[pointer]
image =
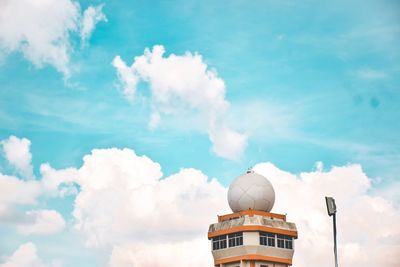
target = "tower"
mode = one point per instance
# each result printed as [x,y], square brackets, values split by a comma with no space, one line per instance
[251,236]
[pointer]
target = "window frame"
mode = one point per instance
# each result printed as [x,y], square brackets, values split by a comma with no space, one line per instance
[219,242]
[267,239]
[235,239]
[288,242]
[280,241]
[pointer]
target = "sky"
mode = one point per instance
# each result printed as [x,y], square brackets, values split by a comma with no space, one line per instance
[122,124]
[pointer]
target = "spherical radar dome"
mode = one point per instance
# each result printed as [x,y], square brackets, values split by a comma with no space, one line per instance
[251,191]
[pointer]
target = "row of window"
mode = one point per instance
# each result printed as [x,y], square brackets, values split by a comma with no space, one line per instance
[234,240]
[281,241]
[266,239]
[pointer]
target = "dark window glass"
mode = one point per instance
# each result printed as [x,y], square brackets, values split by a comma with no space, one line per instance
[219,242]
[271,240]
[235,239]
[222,243]
[263,239]
[267,239]
[281,241]
[288,242]
[240,241]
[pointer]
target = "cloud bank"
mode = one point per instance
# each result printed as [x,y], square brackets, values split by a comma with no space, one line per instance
[164,221]
[43,35]
[183,84]
[142,211]
[368,231]
[126,207]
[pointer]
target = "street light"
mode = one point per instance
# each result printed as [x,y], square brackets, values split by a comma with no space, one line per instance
[331,207]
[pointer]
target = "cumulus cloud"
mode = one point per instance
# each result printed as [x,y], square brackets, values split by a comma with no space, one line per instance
[16,191]
[41,222]
[17,152]
[58,182]
[142,211]
[126,207]
[159,221]
[43,34]
[26,256]
[183,84]
[91,17]
[194,253]
[367,225]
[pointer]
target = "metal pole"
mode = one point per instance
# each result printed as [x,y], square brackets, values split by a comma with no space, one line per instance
[331,207]
[334,239]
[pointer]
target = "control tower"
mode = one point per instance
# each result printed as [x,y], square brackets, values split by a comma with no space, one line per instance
[251,236]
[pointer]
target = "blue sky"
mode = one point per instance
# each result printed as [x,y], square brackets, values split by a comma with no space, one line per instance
[306,82]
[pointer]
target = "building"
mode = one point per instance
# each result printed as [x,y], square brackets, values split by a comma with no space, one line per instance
[252,236]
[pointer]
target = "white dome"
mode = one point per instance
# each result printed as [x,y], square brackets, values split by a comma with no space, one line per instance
[251,191]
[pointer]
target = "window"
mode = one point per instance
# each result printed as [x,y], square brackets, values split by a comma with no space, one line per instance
[281,241]
[263,265]
[285,241]
[267,239]
[235,239]
[219,242]
[288,242]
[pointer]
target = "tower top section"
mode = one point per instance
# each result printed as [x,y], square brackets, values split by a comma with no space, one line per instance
[251,191]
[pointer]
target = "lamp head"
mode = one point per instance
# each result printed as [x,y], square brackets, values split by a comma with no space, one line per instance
[330,205]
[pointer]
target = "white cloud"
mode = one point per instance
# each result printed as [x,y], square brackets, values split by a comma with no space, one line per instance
[226,142]
[127,77]
[158,221]
[390,192]
[41,222]
[126,204]
[16,191]
[53,182]
[367,225]
[17,152]
[58,182]
[26,256]
[127,208]
[194,253]
[91,17]
[43,34]
[180,85]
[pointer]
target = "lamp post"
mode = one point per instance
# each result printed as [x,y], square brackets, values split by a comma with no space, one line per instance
[331,207]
